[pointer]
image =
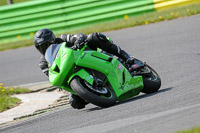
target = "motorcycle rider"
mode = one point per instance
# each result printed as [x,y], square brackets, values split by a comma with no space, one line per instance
[45,37]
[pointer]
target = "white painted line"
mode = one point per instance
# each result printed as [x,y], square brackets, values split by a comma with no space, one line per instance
[33,84]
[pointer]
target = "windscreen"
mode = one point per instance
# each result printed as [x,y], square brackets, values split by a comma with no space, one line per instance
[51,53]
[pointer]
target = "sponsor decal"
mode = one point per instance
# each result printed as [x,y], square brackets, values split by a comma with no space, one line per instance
[89,77]
[135,66]
[57,55]
[64,56]
[120,66]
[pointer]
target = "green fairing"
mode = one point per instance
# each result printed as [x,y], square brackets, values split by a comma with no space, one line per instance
[62,71]
[84,75]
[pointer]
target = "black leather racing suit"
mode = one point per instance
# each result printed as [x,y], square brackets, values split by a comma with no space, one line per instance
[95,40]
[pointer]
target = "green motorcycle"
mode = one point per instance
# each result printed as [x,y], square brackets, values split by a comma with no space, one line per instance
[98,78]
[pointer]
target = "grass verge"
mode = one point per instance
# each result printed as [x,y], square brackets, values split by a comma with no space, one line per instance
[126,22]
[6,101]
[145,19]
[193,130]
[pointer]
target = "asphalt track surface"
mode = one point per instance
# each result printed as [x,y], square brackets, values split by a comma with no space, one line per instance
[172,48]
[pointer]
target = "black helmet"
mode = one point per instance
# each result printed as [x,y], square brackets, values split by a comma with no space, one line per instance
[43,39]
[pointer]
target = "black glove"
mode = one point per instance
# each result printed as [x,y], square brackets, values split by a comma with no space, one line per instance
[80,40]
[130,60]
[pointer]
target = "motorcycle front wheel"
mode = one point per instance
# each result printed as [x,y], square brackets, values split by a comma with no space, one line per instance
[151,81]
[100,96]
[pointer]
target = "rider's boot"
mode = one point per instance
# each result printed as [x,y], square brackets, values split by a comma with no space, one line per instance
[126,57]
[76,102]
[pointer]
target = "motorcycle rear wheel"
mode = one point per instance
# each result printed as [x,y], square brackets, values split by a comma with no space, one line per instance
[105,99]
[151,81]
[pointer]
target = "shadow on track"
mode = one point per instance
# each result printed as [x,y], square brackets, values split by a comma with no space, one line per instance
[143,96]
[132,99]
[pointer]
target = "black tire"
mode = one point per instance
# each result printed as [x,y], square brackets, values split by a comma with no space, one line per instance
[152,81]
[82,90]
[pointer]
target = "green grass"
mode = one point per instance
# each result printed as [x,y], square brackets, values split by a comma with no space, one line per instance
[127,22]
[14,45]
[6,101]
[193,130]
[144,19]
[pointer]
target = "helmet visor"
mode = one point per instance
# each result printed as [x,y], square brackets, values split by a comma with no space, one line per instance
[43,47]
